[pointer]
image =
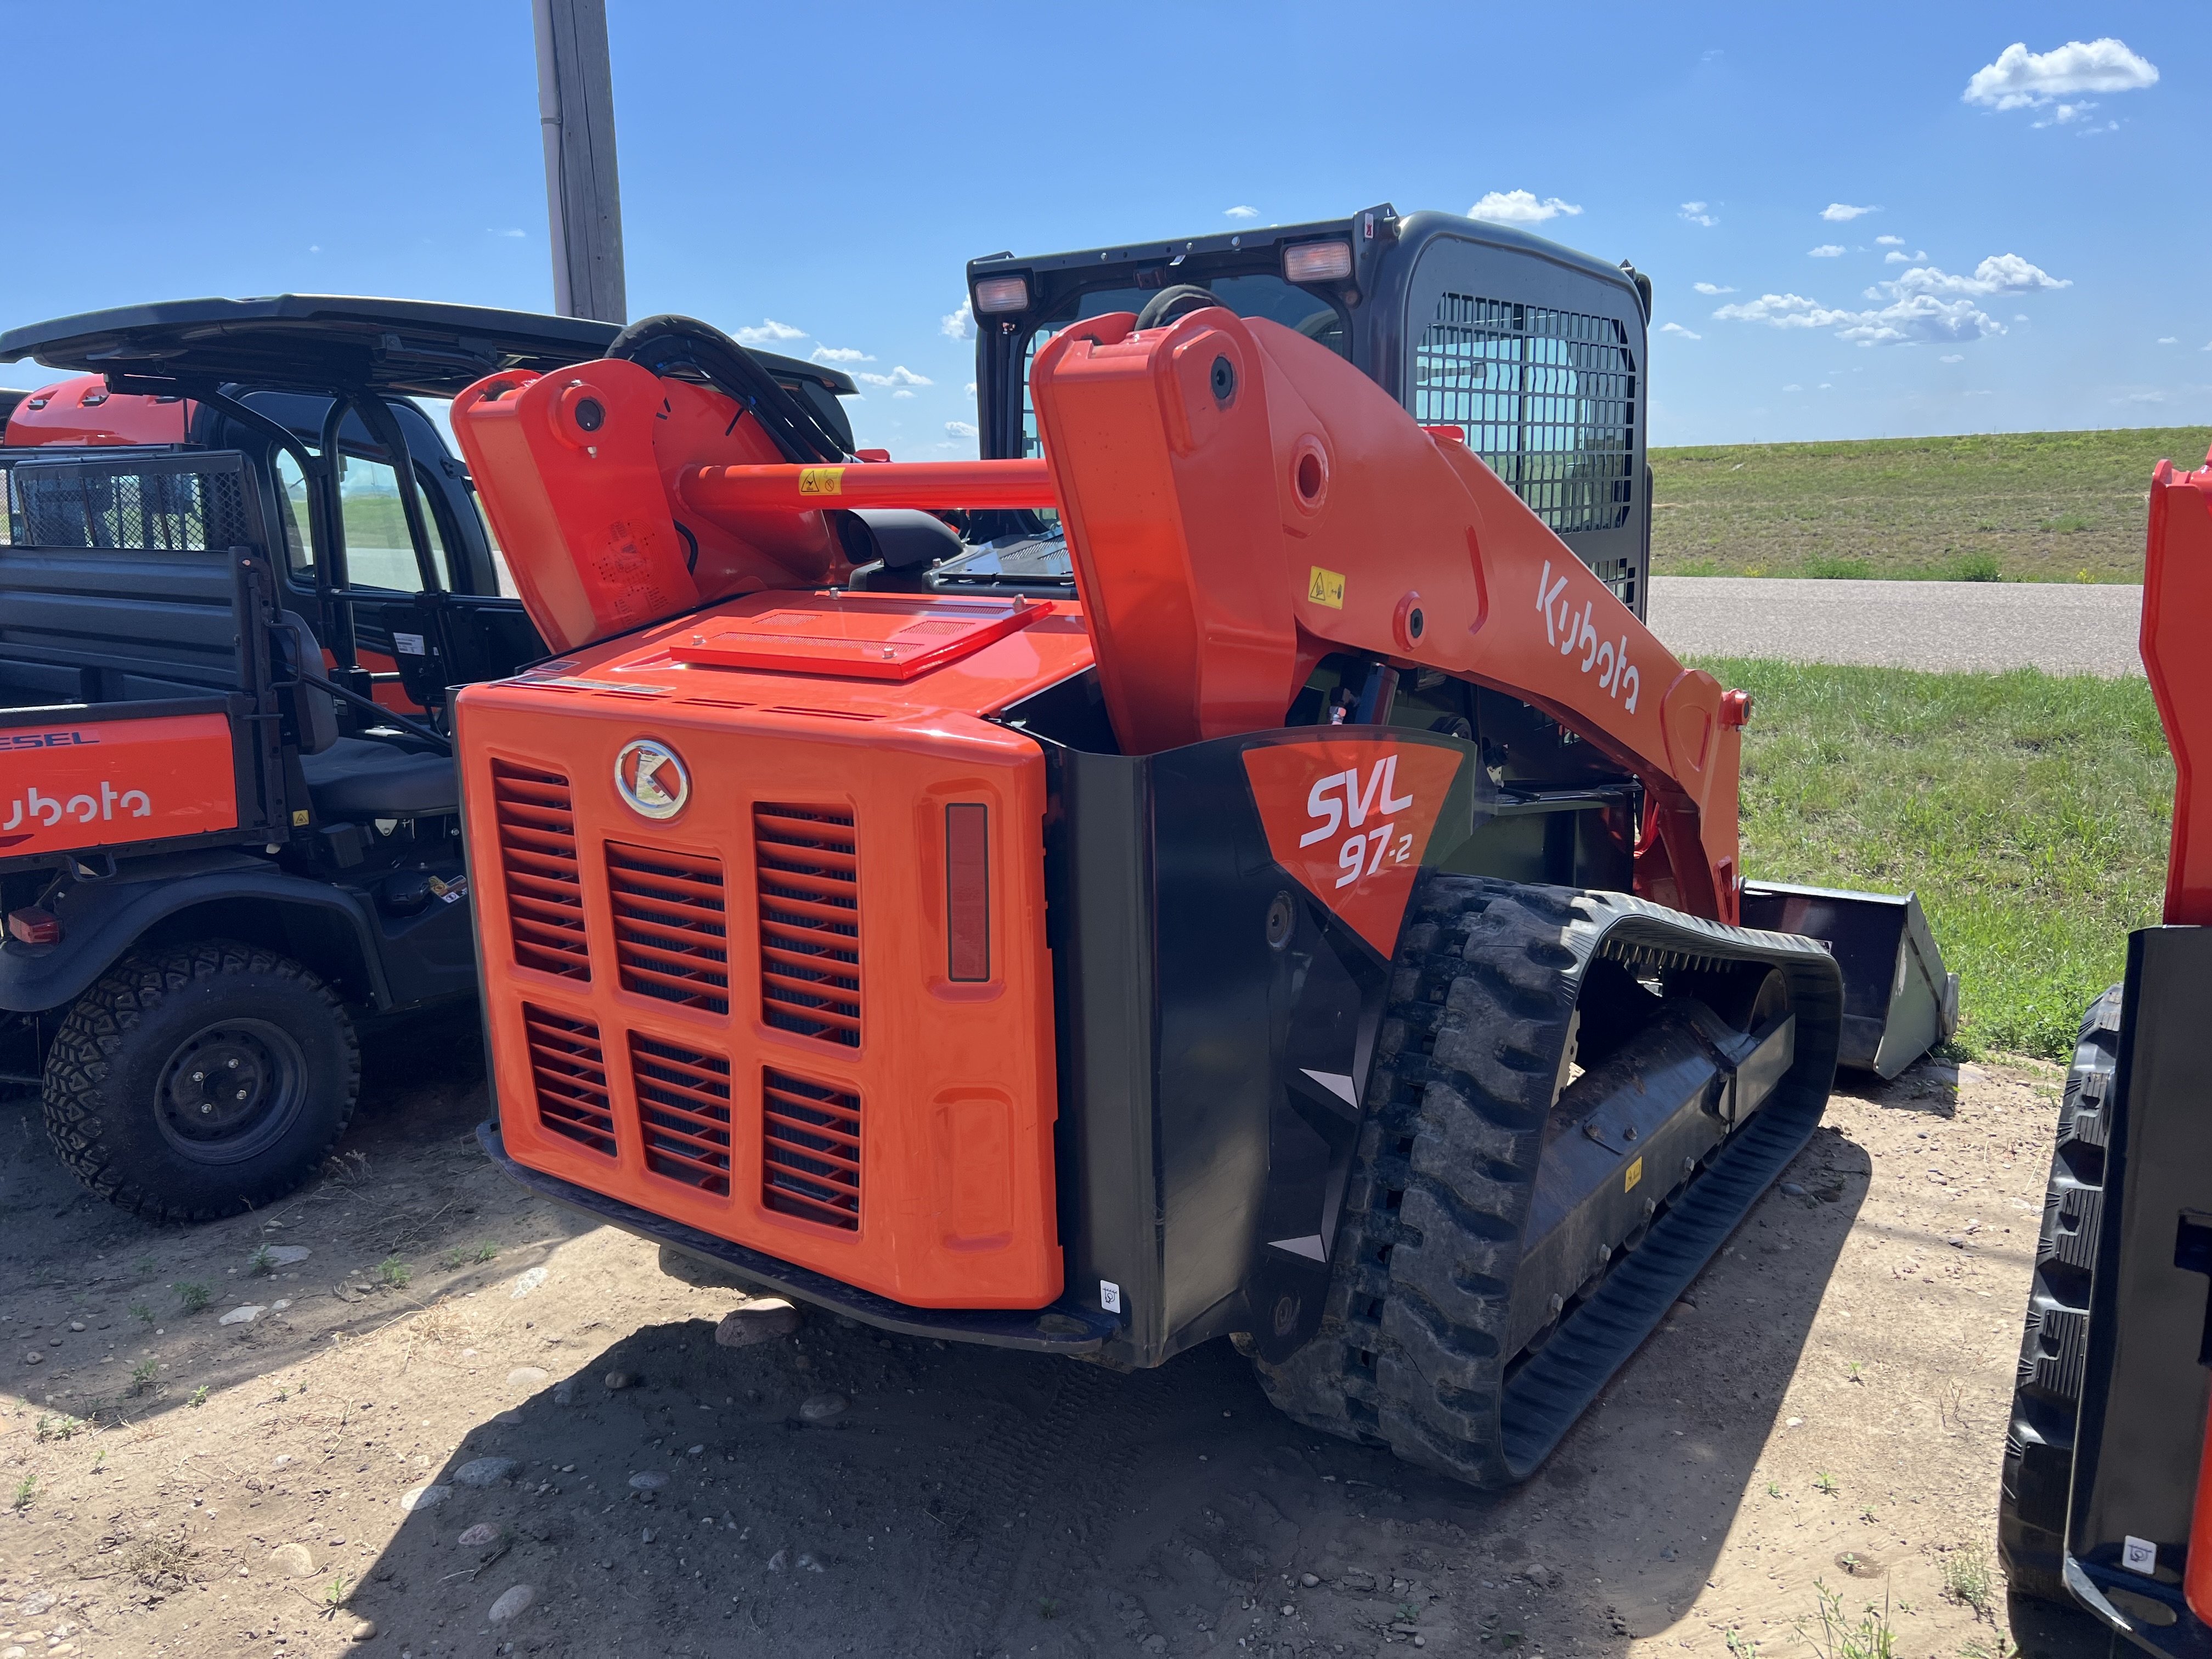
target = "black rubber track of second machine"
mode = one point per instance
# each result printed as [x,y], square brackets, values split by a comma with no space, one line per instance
[1410,1352]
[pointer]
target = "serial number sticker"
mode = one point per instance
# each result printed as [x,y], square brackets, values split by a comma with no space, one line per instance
[1635,1173]
[409,645]
[1326,588]
[821,480]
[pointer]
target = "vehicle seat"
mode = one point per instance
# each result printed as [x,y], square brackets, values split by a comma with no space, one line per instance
[360,778]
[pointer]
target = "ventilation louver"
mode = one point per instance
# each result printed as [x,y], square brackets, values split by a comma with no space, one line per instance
[670,926]
[569,1074]
[538,859]
[811,1150]
[682,1112]
[810,921]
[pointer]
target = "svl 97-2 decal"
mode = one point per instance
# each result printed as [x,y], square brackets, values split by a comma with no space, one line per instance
[1351,818]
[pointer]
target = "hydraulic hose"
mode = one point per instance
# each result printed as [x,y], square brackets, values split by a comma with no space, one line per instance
[684,346]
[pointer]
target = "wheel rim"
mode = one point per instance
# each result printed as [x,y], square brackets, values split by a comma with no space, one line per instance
[230,1090]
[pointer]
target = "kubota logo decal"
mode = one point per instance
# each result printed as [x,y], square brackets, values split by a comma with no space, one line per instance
[121,780]
[1616,675]
[653,781]
[50,809]
[1351,818]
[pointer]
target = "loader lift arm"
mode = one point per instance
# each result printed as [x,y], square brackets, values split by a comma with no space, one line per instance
[1240,502]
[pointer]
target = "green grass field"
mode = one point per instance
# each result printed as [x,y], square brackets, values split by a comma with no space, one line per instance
[2013,507]
[2030,813]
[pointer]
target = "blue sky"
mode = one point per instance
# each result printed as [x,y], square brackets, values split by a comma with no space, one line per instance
[830,170]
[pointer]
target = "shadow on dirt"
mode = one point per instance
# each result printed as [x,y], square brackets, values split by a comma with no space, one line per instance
[127,1317]
[959,1500]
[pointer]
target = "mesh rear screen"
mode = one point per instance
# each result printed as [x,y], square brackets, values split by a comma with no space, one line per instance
[1547,398]
[164,510]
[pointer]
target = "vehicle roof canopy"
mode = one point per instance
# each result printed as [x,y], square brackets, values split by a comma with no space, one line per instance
[320,342]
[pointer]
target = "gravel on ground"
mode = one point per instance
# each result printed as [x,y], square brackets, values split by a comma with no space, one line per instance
[468,1423]
[1944,628]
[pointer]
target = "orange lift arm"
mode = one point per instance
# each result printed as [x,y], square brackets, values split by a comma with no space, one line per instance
[1239,501]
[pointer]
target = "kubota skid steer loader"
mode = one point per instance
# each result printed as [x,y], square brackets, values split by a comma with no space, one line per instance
[1262,883]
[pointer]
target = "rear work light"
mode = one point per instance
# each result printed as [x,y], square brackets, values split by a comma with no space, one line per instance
[34,926]
[1317,262]
[995,293]
[968,892]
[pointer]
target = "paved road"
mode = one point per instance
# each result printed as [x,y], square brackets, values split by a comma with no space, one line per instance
[2061,628]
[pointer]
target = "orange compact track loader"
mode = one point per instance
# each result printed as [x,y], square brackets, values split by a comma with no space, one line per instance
[1226,865]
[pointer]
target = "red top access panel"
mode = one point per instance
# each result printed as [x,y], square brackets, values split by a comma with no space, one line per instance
[876,637]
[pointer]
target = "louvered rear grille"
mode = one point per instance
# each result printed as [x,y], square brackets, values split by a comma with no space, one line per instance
[669,933]
[682,1112]
[537,861]
[569,1073]
[810,921]
[811,1150]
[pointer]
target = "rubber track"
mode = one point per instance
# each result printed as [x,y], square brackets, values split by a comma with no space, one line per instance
[1410,1352]
[2039,1456]
[98,1024]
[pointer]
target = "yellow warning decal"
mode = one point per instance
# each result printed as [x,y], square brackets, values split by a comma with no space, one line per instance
[1326,588]
[821,480]
[1635,1175]
[300,818]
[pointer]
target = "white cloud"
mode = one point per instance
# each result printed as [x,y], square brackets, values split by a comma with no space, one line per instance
[962,430]
[1837,212]
[1676,328]
[1712,288]
[2020,79]
[1951,357]
[2144,398]
[2169,339]
[1793,387]
[900,376]
[769,329]
[959,324]
[2061,113]
[1696,214]
[1889,241]
[971,388]
[902,393]
[1241,213]
[1897,256]
[2003,273]
[1519,207]
[491,231]
[1917,318]
[822,353]
[314,247]
[1825,251]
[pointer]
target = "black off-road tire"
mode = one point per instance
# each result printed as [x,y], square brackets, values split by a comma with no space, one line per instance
[1410,1353]
[2038,1459]
[126,1113]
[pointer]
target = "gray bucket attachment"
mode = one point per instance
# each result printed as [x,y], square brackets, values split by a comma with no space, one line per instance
[1899,1002]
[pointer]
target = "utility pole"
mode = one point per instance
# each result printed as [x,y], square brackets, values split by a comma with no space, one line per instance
[583,197]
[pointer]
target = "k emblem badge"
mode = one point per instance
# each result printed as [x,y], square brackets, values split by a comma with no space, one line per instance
[652,779]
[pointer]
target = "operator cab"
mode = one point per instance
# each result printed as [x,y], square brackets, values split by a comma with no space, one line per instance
[1533,351]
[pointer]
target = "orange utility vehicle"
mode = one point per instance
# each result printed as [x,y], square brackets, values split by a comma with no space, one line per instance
[239,571]
[1255,880]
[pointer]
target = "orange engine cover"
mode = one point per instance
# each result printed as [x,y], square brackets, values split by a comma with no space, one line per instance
[764,954]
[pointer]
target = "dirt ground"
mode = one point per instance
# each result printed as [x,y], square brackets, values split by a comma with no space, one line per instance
[1830,1411]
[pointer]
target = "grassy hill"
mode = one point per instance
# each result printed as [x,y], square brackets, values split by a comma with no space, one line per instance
[2012,506]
